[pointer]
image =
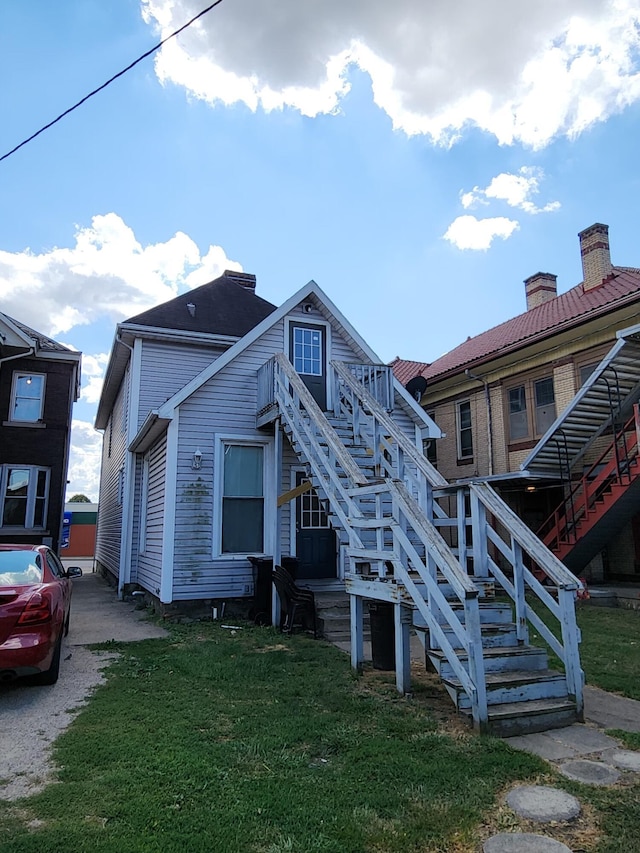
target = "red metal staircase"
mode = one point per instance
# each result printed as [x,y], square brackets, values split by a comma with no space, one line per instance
[597,495]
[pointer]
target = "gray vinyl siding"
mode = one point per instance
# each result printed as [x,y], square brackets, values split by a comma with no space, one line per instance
[226,405]
[149,563]
[109,526]
[166,368]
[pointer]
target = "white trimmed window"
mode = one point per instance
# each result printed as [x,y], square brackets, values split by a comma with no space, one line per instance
[27,397]
[465,430]
[242,501]
[24,492]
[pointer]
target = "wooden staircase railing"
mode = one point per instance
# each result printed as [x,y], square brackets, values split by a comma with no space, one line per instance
[391,532]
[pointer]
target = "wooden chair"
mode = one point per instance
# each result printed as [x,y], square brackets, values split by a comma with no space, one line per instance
[295,603]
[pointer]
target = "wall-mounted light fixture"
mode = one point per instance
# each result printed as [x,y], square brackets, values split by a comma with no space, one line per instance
[196,464]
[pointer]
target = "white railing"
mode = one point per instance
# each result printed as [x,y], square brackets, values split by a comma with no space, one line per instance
[511,541]
[419,568]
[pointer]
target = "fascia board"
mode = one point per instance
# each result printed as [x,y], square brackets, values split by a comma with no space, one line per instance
[152,427]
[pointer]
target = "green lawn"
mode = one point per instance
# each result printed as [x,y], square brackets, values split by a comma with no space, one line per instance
[256,742]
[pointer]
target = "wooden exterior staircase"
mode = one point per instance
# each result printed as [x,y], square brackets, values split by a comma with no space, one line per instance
[604,497]
[450,559]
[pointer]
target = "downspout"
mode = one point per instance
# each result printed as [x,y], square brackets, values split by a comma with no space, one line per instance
[489,419]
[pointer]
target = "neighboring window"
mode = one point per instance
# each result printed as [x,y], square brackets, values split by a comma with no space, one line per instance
[307,351]
[243,499]
[531,408]
[24,496]
[27,397]
[431,451]
[120,486]
[465,434]
[585,372]
[545,404]
[518,421]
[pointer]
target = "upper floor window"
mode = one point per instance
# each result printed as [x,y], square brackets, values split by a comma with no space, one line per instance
[465,430]
[585,372]
[27,397]
[24,493]
[531,408]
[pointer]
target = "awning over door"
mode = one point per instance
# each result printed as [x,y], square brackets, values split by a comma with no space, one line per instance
[609,392]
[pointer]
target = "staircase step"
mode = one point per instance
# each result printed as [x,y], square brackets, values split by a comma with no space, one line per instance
[513,687]
[537,715]
[489,613]
[504,659]
[494,635]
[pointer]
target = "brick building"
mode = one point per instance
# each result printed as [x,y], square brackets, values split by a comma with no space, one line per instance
[503,399]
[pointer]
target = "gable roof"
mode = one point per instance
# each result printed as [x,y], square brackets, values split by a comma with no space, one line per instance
[572,308]
[224,306]
[31,337]
[224,310]
[158,419]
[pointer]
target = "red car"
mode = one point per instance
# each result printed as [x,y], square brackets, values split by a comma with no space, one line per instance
[35,599]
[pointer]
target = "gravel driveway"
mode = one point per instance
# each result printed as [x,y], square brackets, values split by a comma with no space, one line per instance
[31,718]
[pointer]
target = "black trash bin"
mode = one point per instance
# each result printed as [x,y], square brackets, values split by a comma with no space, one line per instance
[260,610]
[383,641]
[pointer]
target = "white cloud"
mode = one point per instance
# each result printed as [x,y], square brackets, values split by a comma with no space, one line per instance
[85,458]
[93,368]
[108,273]
[521,71]
[467,232]
[515,190]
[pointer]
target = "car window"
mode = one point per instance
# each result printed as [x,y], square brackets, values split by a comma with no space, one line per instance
[55,565]
[20,567]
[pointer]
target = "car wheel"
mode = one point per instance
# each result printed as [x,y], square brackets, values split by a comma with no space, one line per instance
[51,675]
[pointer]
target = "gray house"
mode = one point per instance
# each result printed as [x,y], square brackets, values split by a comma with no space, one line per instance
[234,430]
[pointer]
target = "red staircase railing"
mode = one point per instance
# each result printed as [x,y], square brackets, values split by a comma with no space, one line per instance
[596,491]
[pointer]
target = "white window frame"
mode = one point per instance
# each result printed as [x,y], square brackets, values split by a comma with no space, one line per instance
[469,456]
[18,374]
[33,470]
[144,500]
[312,319]
[268,489]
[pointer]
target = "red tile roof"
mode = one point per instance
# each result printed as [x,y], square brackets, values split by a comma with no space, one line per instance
[572,308]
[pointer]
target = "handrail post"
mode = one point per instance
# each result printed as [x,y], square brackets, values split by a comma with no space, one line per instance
[522,628]
[461,518]
[479,537]
[479,709]
[571,642]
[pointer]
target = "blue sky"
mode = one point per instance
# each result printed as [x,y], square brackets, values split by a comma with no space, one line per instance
[417,160]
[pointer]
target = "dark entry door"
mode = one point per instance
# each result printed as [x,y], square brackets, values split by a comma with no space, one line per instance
[308,352]
[315,540]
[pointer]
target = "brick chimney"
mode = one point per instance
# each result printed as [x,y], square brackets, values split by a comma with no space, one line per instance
[244,279]
[540,288]
[596,258]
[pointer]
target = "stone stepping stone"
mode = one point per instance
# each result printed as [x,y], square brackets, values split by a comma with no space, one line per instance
[523,842]
[542,803]
[589,772]
[625,759]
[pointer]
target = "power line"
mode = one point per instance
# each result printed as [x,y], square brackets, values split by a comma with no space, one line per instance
[110,80]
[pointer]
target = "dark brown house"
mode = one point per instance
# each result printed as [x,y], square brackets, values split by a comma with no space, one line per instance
[39,381]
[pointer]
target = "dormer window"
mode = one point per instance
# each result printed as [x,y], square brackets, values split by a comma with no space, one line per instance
[27,397]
